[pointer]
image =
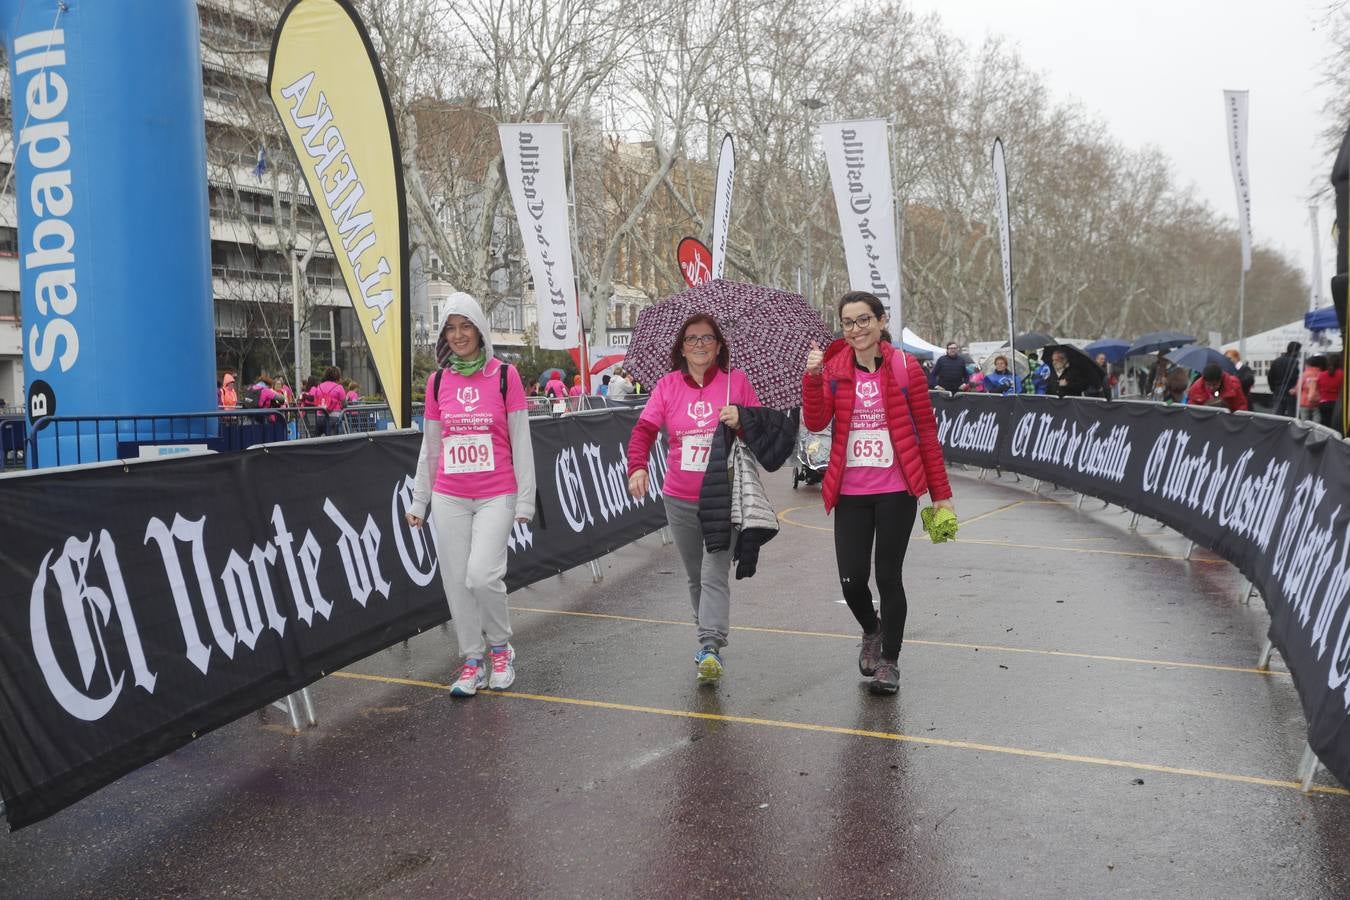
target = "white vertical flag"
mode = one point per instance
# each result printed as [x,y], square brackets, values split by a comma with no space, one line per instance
[1315,291]
[726,177]
[1004,229]
[533,154]
[860,171]
[1235,109]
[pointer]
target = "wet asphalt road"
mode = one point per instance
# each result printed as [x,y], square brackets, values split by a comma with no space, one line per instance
[1078,717]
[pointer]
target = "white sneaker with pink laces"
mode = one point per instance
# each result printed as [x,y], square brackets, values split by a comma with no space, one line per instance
[472,676]
[503,662]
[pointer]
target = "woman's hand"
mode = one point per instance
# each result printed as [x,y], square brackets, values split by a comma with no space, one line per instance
[815,359]
[731,416]
[414,521]
[945,504]
[637,484]
[522,520]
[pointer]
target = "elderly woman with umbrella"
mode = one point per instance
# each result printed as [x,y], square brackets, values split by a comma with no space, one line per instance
[885,455]
[691,403]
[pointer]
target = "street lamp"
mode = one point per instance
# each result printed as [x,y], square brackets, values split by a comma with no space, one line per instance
[809,105]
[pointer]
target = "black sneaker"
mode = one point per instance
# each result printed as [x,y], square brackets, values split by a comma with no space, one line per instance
[886,680]
[870,654]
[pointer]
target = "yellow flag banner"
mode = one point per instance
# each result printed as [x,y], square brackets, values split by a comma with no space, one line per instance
[325,81]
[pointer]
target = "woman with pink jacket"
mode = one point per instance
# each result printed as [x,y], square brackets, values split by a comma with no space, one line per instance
[884,456]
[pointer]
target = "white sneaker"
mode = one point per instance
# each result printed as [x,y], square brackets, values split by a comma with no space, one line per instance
[472,676]
[503,664]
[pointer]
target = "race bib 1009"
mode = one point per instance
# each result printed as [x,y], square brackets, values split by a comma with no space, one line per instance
[465,454]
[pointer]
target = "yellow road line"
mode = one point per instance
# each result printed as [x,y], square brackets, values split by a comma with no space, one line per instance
[1213,667]
[783,517]
[857,732]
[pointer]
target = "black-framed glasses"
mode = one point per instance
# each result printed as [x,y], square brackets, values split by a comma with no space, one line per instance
[693,340]
[860,322]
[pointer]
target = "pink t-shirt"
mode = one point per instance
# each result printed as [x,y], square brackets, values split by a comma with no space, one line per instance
[475,458]
[575,391]
[688,415]
[555,388]
[871,466]
[330,395]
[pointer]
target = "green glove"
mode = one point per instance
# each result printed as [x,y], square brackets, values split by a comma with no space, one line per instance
[939,523]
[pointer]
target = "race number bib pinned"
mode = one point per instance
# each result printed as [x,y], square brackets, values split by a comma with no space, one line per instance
[870,447]
[694,452]
[466,454]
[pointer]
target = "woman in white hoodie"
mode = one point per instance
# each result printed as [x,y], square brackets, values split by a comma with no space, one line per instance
[476,438]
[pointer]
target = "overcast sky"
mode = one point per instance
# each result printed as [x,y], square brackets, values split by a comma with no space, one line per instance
[1155,71]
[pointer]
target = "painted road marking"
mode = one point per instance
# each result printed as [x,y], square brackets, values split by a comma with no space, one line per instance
[857,732]
[783,517]
[1159,663]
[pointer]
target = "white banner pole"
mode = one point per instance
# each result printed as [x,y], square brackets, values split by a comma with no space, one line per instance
[860,174]
[533,154]
[1235,109]
[726,178]
[1000,167]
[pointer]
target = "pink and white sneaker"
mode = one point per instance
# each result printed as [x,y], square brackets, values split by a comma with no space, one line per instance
[503,662]
[472,676]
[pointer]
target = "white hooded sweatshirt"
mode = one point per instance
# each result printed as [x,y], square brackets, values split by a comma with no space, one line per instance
[518,422]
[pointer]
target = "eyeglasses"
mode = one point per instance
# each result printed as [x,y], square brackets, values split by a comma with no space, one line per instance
[692,340]
[860,322]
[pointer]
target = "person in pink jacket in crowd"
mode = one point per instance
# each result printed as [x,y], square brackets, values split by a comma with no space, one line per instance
[555,388]
[331,396]
[227,397]
[476,441]
[700,394]
[353,392]
[884,456]
[576,387]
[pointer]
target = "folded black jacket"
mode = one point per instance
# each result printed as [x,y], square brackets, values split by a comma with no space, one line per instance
[771,436]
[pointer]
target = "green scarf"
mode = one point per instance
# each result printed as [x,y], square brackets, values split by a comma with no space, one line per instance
[469,366]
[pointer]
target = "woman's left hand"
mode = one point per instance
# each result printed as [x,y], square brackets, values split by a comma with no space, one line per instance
[731,416]
[945,504]
[522,520]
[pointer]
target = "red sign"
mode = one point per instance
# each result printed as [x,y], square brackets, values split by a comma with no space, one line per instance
[695,261]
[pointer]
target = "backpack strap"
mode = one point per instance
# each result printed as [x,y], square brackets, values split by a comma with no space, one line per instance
[900,368]
[503,384]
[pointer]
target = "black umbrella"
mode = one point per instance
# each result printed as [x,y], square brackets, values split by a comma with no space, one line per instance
[1157,341]
[1196,358]
[1091,374]
[1032,340]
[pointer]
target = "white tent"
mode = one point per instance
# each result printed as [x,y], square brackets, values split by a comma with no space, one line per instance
[913,340]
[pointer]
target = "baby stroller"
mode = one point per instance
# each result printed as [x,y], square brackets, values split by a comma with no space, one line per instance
[813,455]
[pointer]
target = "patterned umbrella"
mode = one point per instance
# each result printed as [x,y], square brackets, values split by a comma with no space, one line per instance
[769,332]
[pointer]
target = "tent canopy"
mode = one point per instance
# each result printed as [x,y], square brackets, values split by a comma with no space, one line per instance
[1323,319]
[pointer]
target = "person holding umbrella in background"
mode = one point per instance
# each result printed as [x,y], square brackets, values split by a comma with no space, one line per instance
[698,395]
[883,457]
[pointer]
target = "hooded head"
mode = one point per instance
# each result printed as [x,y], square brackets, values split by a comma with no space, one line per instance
[227,380]
[462,304]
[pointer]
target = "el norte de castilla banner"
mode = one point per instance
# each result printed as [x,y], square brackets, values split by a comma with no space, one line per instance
[143,606]
[1269,495]
[325,81]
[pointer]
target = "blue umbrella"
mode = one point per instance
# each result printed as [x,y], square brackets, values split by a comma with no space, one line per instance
[1114,348]
[1196,358]
[1157,341]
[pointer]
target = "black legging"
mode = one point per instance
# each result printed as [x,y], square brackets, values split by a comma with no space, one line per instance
[860,520]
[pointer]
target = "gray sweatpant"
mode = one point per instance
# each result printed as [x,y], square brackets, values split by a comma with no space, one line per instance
[472,554]
[709,573]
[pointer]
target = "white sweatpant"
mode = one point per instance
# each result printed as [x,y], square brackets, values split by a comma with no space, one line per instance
[472,554]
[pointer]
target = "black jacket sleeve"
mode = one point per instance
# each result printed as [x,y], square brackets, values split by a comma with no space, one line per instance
[770,434]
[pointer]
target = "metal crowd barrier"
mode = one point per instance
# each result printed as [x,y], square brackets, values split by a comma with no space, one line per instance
[69,440]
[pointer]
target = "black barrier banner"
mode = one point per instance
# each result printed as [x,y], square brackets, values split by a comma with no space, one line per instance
[1269,495]
[142,606]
